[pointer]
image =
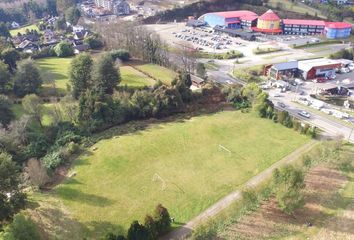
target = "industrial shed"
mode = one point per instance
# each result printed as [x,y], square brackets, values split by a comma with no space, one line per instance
[231,19]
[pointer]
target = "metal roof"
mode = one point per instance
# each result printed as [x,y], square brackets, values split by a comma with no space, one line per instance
[338,25]
[286,65]
[306,65]
[304,22]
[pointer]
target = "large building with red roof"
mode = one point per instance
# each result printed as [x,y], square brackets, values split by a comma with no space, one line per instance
[231,19]
[270,23]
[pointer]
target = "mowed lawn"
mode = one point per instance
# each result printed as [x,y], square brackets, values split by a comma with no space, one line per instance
[57,69]
[178,164]
[134,78]
[163,74]
[22,30]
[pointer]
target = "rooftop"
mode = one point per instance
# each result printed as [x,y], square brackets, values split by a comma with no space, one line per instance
[304,22]
[306,65]
[286,65]
[338,25]
[237,14]
[269,16]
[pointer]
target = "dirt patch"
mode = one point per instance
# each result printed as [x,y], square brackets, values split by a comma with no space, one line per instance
[269,221]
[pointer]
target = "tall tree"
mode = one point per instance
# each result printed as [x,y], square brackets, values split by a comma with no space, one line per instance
[72,15]
[289,182]
[6,114]
[80,74]
[4,31]
[27,78]
[106,75]
[33,106]
[201,71]
[10,57]
[5,78]
[62,5]
[9,183]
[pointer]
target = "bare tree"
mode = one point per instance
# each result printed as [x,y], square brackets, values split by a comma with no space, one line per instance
[36,172]
[186,57]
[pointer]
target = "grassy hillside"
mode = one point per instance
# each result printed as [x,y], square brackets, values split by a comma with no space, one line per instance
[178,164]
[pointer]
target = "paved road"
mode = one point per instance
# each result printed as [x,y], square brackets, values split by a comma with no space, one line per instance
[186,230]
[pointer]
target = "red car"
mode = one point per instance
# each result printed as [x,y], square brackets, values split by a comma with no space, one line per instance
[320,80]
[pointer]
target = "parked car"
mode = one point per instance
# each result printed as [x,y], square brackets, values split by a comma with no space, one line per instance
[304,114]
[320,80]
[280,104]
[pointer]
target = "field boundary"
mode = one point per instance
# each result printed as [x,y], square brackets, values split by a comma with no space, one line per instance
[186,230]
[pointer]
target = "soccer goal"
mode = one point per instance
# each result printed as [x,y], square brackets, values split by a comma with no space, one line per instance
[158,178]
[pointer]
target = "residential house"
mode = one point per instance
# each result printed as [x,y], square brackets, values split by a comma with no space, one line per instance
[15,25]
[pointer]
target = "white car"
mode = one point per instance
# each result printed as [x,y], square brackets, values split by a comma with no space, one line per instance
[304,114]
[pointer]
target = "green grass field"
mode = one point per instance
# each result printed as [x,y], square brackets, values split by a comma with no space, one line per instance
[117,183]
[134,78]
[22,30]
[57,69]
[163,74]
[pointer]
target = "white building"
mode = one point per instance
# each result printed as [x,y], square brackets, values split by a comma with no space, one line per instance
[117,7]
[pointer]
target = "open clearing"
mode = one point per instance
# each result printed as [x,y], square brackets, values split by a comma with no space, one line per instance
[163,74]
[134,78]
[22,30]
[178,164]
[56,69]
[329,202]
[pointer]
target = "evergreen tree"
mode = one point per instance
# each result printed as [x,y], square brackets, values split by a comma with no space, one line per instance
[201,71]
[4,31]
[10,57]
[6,114]
[80,74]
[27,79]
[105,75]
[5,78]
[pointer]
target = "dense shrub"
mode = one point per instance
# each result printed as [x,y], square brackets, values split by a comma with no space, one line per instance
[52,160]
[22,228]
[121,54]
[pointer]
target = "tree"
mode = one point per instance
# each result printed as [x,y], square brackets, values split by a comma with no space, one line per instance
[162,219]
[62,5]
[27,78]
[106,76]
[187,57]
[4,31]
[10,57]
[33,106]
[22,228]
[94,41]
[137,232]
[5,78]
[80,74]
[150,226]
[201,71]
[72,15]
[64,49]
[289,182]
[6,114]
[11,198]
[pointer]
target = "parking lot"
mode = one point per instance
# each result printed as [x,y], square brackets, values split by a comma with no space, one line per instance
[205,39]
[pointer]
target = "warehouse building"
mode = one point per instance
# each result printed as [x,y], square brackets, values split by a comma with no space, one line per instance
[314,68]
[335,30]
[232,19]
[304,27]
[285,70]
[305,69]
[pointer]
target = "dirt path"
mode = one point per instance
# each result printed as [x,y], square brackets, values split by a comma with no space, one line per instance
[186,230]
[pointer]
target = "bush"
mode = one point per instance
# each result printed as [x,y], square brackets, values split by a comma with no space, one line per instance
[121,54]
[204,232]
[22,228]
[250,198]
[94,41]
[45,52]
[52,160]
